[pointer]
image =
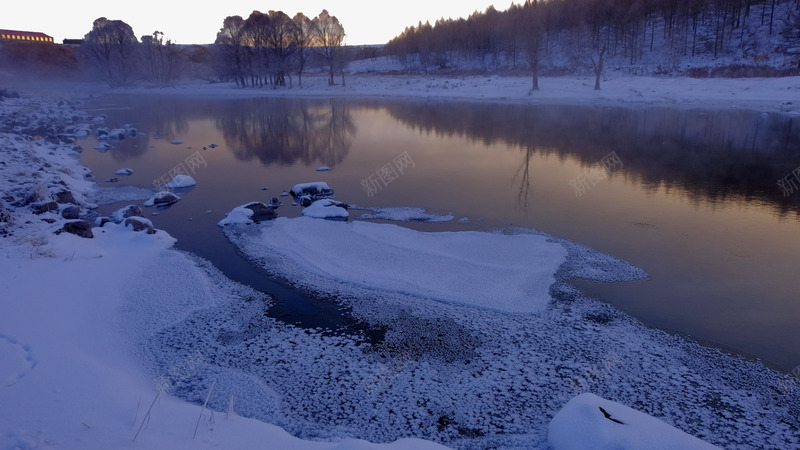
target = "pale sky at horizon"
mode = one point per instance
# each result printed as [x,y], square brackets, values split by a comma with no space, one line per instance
[364,22]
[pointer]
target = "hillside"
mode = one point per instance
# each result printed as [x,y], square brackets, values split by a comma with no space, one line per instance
[724,38]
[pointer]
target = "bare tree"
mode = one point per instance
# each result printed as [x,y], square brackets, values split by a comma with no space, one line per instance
[303,42]
[598,21]
[161,58]
[257,29]
[199,62]
[232,58]
[533,28]
[328,36]
[281,40]
[110,48]
[597,58]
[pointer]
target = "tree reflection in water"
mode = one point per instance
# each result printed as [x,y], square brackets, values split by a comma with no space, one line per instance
[284,132]
[708,155]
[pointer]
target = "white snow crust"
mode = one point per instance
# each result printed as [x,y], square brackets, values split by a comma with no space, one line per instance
[326,209]
[590,422]
[239,215]
[318,185]
[510,273]
[181,181]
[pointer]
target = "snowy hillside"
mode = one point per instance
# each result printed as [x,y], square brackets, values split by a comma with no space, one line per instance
[699,39]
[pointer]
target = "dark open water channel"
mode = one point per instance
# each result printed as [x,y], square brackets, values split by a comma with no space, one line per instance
[690,196]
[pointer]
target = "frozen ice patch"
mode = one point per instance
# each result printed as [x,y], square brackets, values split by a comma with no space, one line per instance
[511,273]
[108,195]
[405,215]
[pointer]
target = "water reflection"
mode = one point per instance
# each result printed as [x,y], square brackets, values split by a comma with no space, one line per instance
[280,131]
[708,156]
[272,131]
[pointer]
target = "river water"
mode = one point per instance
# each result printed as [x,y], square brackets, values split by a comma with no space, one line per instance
[690,196]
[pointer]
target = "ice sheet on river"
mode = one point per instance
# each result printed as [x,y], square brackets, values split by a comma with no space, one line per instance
[510,273]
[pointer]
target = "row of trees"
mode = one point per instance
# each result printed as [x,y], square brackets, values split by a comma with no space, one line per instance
[586,32]
[264,49]
[111,52]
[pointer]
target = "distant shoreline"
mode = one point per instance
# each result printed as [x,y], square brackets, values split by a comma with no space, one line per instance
[779,95]
[767,94]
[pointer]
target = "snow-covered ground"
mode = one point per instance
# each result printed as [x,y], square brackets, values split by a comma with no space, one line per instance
[769,94]
[104,340]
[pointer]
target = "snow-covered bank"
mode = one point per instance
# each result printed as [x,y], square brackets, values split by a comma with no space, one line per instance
[70,380]
[468,377]
[769,94]
[69,335]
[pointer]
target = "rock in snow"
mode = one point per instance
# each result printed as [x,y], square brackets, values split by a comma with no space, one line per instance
[181,181]
[249,213]
[102,147]
[327,209]
[140,224]
[65,196]
[261,212]
[316,190]
[124,172]
[323,169]
[45,207]
[80,228]
[123,213]
[71,212]
[591,422]
[163,198]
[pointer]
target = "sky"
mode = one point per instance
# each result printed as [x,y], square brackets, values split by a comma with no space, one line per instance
[374,22]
